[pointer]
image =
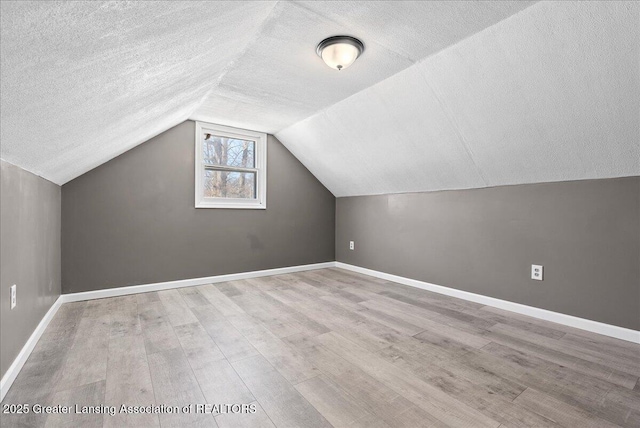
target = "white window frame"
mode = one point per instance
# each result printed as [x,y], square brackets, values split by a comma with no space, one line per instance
[260,153]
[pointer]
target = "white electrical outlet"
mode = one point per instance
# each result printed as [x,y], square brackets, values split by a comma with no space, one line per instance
[13,296]
[536,272]
[352,245]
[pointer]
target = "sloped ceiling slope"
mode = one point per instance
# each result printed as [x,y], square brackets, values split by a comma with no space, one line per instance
[279,80]
[549,94]
[85,81]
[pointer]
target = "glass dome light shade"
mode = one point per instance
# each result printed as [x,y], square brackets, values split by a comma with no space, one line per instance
[339,52]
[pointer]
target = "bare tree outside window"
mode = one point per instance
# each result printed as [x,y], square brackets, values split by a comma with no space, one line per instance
[228,163]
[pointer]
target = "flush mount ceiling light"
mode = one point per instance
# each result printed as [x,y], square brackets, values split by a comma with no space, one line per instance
[339,52]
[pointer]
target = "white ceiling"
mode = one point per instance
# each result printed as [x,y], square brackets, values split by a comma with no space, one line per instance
[279,80]
[447,95]
[83,82]
[549,94]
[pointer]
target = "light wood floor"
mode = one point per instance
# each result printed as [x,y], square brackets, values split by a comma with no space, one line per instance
[321,348]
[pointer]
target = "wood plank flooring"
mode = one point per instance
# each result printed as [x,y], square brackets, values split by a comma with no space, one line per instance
[324,348]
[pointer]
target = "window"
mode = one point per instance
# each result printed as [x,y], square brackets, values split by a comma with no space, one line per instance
[231,167]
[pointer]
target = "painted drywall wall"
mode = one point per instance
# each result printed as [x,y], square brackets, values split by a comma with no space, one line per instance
[586,234]
[132,220]
[29,255]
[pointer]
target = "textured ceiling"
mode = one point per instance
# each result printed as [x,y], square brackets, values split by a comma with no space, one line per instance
[549,94]
[279,80]
[82,82]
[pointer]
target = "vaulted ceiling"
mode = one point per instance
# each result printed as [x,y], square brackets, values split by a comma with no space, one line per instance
[447,94]
[549,94]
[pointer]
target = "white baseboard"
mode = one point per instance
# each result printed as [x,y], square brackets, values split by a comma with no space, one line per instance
[16,366]
[568,320]
[135,289]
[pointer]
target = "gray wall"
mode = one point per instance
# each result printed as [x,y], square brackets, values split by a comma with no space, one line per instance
[585,233]
[29,255]
[132,220]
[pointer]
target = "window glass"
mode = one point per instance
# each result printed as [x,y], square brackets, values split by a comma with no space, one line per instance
[229,184]
[229,152]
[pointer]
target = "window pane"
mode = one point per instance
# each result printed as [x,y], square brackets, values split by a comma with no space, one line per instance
[228,151]
[229,184]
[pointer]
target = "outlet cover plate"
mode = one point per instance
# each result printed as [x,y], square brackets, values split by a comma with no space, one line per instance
[13,296]
[537,272]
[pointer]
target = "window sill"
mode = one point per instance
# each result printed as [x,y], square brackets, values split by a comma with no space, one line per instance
[232,205]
